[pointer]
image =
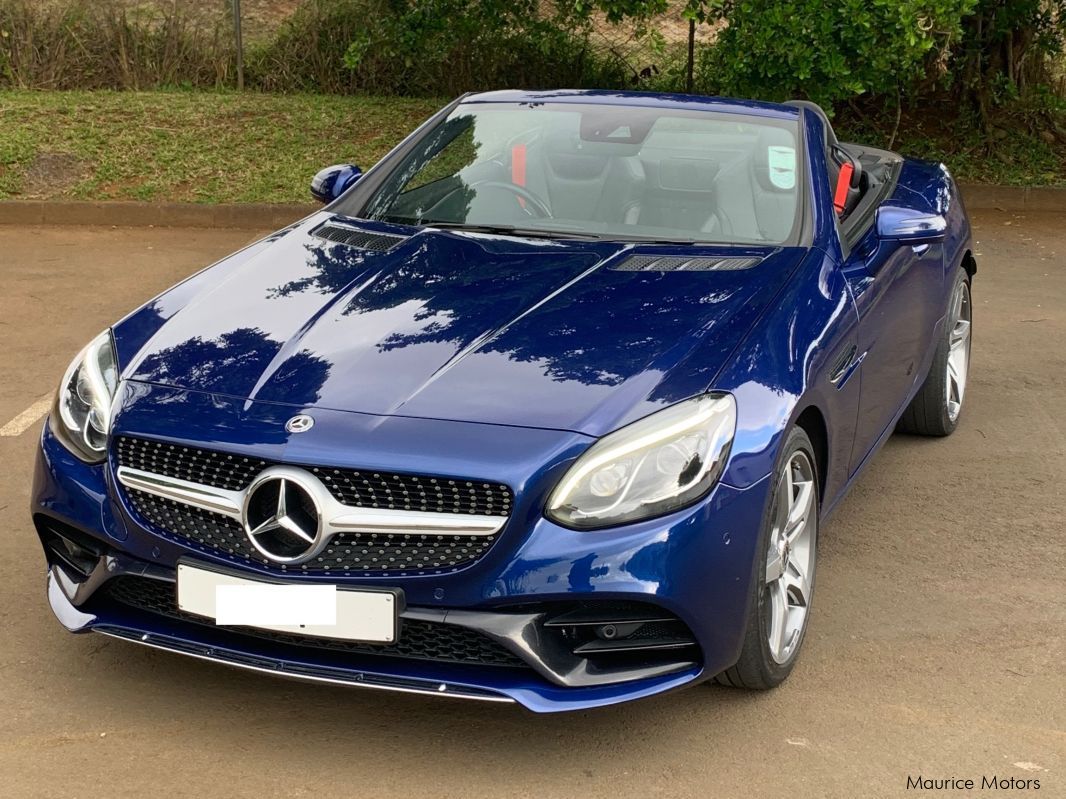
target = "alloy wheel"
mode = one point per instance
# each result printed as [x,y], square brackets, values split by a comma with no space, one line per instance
[959,349]
[790,557]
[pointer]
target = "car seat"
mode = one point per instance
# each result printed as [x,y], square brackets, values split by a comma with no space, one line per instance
[599,182]
[681,194]
[774,183]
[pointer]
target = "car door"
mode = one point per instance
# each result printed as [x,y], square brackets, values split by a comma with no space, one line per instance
[895,285]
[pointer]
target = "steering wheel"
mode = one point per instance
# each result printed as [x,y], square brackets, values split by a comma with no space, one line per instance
[533,202]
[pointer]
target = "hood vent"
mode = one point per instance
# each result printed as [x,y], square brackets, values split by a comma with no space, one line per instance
[682,263]
[353,237]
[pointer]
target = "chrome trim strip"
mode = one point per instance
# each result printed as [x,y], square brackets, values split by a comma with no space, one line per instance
[218,500]
[387,520]
[443,689]
[336,517]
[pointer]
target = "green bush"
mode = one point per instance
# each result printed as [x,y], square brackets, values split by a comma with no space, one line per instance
[95,45]
[307,52]
[1007,54]
[829,50]
[388,47]
[429,48]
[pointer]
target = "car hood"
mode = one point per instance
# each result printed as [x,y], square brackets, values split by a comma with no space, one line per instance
[453,325]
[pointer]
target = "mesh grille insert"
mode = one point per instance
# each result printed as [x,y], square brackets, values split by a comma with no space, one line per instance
[363,239]
[662,263]
[349,554]
[363,489]
[419,640]
[231,472]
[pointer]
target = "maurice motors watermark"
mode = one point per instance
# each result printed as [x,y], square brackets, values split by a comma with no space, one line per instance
[987,782]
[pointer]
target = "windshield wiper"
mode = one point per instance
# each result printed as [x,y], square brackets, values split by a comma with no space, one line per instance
[541,233]
[513,230]
[654,240]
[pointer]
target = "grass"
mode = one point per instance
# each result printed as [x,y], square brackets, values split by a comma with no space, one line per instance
[209,147]
[200,147]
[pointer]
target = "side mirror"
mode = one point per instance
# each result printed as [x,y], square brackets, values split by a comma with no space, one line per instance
[331,182]
[903,223]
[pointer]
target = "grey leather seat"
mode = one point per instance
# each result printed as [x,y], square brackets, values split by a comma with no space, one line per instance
[680,194]
[774,191]
[597,183]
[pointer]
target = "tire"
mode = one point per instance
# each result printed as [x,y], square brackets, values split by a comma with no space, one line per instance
[763,664]
[936,408]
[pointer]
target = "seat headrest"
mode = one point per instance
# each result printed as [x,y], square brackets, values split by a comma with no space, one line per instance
[774,161]
[687,174]
[568,160]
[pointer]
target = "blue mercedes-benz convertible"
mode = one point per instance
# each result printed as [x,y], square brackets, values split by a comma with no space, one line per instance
[546,407]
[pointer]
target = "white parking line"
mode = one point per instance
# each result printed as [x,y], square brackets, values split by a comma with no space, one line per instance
[20,423]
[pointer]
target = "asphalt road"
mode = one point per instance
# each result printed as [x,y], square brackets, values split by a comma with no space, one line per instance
[936,646]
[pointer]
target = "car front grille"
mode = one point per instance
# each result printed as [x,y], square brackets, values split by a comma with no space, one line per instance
[347,554]
[418,640]
[358,488]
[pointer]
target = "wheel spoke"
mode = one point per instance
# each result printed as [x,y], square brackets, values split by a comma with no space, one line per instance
[953,373]
[789,556]
[800,511]
[960,334]
[775,566]
[797,585]
[778,619]
[782,503]
[958,361]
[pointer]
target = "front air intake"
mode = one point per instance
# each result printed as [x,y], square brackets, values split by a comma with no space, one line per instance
[354,237]
[618,635]
[67,546]
[419,639]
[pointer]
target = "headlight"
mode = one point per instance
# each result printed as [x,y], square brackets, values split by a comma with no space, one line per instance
[82,416]
[651,467]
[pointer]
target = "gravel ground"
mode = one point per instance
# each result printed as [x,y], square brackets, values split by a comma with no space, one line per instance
[936,645]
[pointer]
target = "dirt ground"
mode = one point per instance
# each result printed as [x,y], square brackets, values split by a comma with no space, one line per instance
[936,647]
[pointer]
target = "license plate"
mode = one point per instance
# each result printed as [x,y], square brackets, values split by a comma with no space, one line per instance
[318,610]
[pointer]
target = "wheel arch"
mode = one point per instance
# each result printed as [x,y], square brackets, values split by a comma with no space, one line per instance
[812,422]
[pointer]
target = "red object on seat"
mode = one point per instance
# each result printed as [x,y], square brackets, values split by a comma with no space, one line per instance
[840,197]
[518,165]
[518,168]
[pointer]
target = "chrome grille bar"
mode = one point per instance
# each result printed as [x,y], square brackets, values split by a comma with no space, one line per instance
[336,517]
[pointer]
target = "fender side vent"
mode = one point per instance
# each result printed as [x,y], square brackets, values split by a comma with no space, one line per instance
[671,263]
[353,237]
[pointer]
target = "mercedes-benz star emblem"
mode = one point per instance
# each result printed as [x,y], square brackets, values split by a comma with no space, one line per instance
[282,519]
[300,424]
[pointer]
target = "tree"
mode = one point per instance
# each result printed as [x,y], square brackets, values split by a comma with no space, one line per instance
[1007,47]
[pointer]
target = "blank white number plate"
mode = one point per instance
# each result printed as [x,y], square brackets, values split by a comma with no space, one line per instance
[319,610]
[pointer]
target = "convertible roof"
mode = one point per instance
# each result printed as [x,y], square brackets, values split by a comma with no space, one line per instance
[688,102]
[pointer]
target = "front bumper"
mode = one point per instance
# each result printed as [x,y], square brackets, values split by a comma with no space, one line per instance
[695,565]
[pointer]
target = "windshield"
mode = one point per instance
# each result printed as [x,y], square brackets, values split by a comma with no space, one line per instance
[600,170]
